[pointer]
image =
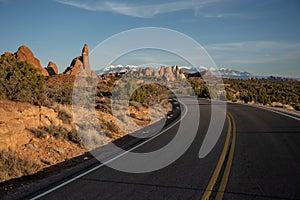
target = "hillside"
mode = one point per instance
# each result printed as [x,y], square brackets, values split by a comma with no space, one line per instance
[37,128]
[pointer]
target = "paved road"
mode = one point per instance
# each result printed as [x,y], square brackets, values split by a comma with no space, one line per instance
[265,163]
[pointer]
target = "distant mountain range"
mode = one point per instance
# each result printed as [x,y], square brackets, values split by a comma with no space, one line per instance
[116,69]
[231,73]
[224,72]
[221,72]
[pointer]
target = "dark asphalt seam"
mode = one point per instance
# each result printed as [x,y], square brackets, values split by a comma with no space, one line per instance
[259,195]
[143,184]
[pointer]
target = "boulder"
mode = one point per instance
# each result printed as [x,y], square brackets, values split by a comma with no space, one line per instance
[7,54]
[52,68]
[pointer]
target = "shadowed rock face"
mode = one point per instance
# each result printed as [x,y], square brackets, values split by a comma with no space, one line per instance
[52,68]
[75,66]
[25,54]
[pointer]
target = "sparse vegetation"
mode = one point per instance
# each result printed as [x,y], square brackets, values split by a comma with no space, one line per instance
[20,82]
[263,91]
[12,166]
[64,112]
[58,94]
[58,132]
[255,91]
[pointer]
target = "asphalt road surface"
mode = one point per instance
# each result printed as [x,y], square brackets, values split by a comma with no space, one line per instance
[256,157]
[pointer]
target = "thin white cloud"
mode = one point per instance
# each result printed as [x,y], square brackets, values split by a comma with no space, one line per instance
[222,15]
[258,57]
[255,51]
[137,10]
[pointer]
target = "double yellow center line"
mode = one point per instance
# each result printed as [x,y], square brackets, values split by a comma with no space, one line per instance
[230,138]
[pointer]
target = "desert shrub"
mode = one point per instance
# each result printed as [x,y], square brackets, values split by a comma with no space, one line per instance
[133,115]
[266,91]
[59,94]
[73,137]
[139,95]
[203,92]
[39,132]
[248,97]
[229,96]
[12,166]
[104,108]
[64,112]
[58,132]
[110,126]
[263,97]
[20,82]
[135,104]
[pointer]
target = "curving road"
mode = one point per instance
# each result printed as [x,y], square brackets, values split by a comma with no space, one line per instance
[265,163]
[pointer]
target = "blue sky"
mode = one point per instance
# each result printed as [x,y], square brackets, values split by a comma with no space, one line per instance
[258,36]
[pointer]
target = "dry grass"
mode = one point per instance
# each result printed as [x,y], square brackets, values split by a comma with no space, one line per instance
[12,166]
[58,132]
[64,112]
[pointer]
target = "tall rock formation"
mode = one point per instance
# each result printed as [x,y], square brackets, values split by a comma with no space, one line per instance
[156,74]
[148,71]
[25,54]
[52,69]
[85,58]
[81,65]
[168,74]
[162,71]
[140,71]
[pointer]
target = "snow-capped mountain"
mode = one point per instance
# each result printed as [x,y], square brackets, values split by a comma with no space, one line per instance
[190,69]
[231,73]
[222,72]
[116,68]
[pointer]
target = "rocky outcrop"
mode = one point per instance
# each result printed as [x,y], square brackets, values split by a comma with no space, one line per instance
[17,118]
[162,71]
[25,54]
[140,71]
[168,74]
[156,74]
[148,71]
[7,54]
[52,69]
[81,65]
[75,66]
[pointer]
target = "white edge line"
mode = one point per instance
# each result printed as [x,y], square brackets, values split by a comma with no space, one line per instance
[275,111]
[93,169]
